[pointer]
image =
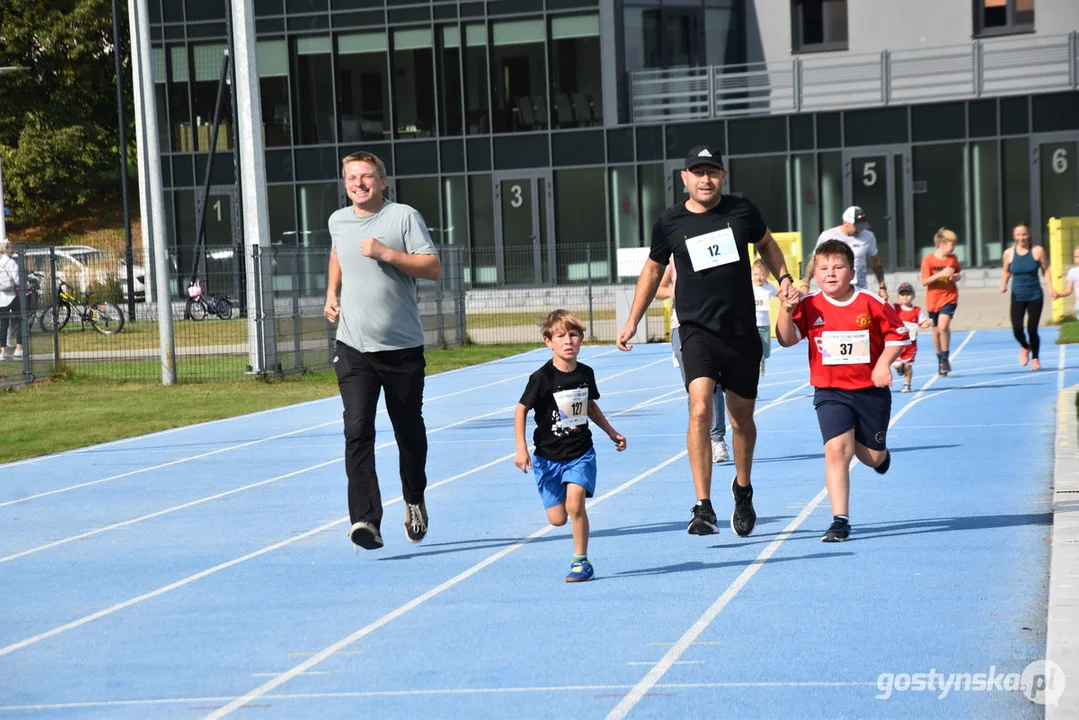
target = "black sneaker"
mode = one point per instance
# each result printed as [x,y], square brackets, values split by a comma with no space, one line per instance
[416,522]
[946,365]
[942,367]
[744,517]
[704,519]
[887,463]
[837,532]
[365,535]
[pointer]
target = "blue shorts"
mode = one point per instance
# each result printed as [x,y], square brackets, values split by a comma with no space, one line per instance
[552,476]
[948,310]
[866,411]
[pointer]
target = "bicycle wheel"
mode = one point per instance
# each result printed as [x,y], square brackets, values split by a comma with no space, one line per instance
[106,318]
[196,308]
[63,314]
[224,308]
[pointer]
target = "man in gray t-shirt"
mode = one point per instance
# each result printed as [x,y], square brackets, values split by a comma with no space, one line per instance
[378,249]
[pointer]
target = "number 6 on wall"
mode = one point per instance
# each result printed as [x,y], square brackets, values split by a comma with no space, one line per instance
[869,174]
[1060,161]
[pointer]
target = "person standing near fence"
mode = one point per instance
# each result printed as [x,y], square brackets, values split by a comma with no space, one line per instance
[1021,263]
[708,235]
[9,301]
[378,250]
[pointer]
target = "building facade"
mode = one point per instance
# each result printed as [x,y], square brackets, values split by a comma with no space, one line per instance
[545,135]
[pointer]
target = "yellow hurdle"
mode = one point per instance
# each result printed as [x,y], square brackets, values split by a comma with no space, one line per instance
[1063,239]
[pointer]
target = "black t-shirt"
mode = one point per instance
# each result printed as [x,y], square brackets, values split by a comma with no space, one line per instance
[561,403]
[719,299]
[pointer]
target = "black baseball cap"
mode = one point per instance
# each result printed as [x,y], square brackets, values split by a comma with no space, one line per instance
[704,155]
[905,289]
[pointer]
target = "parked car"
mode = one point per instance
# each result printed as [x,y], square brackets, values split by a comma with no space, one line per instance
[82,267]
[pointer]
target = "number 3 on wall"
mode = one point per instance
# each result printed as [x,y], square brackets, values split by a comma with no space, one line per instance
[1060,161]
[518,198]
[869,174]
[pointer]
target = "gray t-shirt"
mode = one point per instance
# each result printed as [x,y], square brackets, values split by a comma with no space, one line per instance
[378,302]
[864,245]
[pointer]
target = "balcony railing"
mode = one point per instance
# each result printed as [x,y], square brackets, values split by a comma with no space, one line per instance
[982,68]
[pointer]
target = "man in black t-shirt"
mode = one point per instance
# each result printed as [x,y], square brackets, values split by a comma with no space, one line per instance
[708,237]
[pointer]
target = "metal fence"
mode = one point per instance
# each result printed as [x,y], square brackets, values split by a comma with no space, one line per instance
[990,67]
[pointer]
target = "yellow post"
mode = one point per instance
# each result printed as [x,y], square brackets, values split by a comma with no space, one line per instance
[1063,239]
[791,245]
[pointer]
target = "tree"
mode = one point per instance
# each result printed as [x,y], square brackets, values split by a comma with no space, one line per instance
[58,127]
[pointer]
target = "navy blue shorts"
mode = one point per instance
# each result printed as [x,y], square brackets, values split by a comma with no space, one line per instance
[948,310]
[866,411]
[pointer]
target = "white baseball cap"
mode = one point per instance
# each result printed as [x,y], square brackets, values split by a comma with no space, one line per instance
[856,217]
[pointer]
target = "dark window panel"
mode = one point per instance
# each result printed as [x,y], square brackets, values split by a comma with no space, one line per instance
[620,145]
[416,158]
[359,19]
[279,166]
[479,154]
[522,151]
[223,172]
[472,10]
[309,22]
[202,10]
[576,92]
[317,164]
[1053,113]
[445,12]
[577,148]
[207,30]
[414,83]
[268,7]
[154,8]
[818,25]
[982,115]
[356,4]
[174,32]
[382,151]
[571,4]
[409,15]
[801,128]
[166,171]
[449,80]
[313,115]
[887,126]
[269,25]
[518,79]
[829,130]
[305,6]
[173,10]
[650,143]
[155,33]
[759,135]
[512,7]
[943,121]
[453,156]
[680,138]
[183,171]
[1014,119]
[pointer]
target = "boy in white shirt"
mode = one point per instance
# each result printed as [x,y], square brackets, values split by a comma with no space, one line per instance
[1071,281]
[763,292]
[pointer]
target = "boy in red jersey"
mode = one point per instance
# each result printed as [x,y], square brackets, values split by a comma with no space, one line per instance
[914,318]
[854,337]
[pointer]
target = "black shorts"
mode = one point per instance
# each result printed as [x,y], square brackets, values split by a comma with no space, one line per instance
[948,309]
[734,363]
[867,411]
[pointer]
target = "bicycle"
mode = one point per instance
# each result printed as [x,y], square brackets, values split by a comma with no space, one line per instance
[104,316]
[199,307]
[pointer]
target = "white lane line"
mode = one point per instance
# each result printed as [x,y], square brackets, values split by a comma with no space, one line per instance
[417,601]
[690,636]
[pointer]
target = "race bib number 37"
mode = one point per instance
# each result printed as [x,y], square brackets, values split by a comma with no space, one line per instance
[844,347]
[712,249]
[572,406]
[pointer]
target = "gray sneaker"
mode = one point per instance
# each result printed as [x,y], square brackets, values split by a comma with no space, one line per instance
[416,522]
[365,535]
[720,453]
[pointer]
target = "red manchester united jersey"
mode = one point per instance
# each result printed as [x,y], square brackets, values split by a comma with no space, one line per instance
[846,338]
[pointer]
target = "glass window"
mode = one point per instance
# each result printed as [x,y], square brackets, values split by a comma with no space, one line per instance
[449,83]
[577,195]
[422,194]
[518,76]
[414,82]
[317,201]
[1002,17]
[206,61]
[273,89]
[477,107]
[183,139]
[364,81]
[484,270]
[314,107]
[281,205]
[722,28]
[625,208]
[763,180]
[941,170]
[654,198]
[1015,175]
[161,95]
[818,25]
[986,237]
[454,211]
[807,207]
[664,37]
[576,88]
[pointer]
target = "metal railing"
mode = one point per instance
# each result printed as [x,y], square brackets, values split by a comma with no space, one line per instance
[989,67]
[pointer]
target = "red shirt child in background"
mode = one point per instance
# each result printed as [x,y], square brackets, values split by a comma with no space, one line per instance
[914,318]
[854,337]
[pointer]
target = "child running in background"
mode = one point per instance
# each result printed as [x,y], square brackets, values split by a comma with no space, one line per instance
[939,274]
[563,394]
[763,292]
[1071,281]
[914,318]
[854,337]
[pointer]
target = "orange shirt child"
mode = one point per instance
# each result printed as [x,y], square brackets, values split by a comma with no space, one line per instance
[942,290]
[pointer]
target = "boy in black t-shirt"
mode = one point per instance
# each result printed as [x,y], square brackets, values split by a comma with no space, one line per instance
[563,394]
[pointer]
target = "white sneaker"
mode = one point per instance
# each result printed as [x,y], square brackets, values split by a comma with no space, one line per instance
[5,356]
[762,368]
[17,353]
[720,453]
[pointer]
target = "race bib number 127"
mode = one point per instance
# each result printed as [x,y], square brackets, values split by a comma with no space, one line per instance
[572,406]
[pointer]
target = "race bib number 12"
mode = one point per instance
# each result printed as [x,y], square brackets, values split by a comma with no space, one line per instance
[845,347]
[712,249]
[572,406]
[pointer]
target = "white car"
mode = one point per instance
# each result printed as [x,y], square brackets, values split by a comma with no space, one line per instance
[82,266]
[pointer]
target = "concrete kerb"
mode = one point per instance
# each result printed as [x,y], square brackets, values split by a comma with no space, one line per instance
[1062,636]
